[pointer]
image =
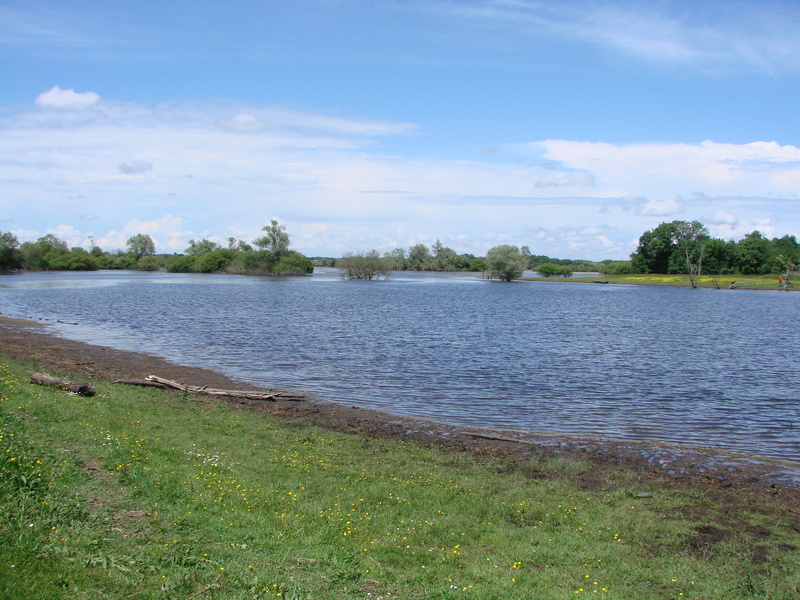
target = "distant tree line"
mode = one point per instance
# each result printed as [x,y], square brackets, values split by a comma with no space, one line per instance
[268,254]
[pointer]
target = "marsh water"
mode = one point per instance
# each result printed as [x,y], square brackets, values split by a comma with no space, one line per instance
[701,367]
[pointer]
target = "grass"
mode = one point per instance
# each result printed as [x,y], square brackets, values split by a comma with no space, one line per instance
[743,282]
[135,494]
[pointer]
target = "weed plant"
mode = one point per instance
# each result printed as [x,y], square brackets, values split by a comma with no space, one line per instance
[136,494]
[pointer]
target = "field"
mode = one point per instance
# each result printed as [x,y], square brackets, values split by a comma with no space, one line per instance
[134,493]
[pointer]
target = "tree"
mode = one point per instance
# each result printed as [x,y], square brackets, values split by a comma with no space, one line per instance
[140,245]
[419,258]
[754,254]
[444,259]
[201,247]
[506,262]
[9,254]
[398,258]
[275,239]
[366,266]
[689,240]
[654,250]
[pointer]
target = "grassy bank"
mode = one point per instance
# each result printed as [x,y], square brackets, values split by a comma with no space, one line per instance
[742,282]
[135,494]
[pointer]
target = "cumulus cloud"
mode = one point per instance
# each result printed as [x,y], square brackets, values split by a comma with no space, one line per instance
[136,167]
[66,99]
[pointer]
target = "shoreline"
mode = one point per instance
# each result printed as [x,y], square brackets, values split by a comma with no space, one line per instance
[707,467]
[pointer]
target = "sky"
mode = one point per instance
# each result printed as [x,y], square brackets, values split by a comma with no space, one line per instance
[568,126]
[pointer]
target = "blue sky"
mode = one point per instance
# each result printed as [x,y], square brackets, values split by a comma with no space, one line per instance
[570,127]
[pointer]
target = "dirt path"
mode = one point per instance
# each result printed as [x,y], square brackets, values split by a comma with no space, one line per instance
[727,476]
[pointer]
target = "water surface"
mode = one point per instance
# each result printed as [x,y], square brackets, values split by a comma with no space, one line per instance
[701,367]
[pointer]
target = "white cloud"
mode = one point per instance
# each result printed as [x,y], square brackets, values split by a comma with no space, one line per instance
[313,171]
[66,99]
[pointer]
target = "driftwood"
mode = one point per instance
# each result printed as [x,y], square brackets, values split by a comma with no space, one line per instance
[82,389]
[141,383]
[154,381]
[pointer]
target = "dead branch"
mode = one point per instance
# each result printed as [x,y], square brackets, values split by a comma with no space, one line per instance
[248,394]
[140,382]
[82,389]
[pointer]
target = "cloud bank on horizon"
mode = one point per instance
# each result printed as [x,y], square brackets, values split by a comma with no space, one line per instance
[381,125]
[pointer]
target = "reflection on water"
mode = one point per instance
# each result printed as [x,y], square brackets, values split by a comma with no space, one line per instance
[708,367]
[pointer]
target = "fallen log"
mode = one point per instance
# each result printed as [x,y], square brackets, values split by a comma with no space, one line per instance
[141,383]
[82,389]
[247,394]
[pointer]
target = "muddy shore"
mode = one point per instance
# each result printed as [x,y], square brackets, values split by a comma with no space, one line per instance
[730,477]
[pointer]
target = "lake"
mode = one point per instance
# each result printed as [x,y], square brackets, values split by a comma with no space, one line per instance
[700,367]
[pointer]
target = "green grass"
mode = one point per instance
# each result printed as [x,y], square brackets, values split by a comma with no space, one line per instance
[135,494]
[743,282]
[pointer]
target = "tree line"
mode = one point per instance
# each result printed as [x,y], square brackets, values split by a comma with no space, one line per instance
[687,247]
[268,254]
[674,247]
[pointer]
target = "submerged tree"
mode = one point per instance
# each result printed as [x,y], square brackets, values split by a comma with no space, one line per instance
[365,265]
[507,262]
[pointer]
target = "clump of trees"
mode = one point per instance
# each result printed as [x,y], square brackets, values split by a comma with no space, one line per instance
[436,258]
[365,265]
[687,247]
[271,255]
[49,253]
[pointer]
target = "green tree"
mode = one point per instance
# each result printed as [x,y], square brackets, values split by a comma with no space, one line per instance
[689,241]
[140,245]
[444,258]
[365,265]
[654,250]
[507,262]
[754,254]
[419,258]
[201,247]
[398,258]
[9,251]
[275,240]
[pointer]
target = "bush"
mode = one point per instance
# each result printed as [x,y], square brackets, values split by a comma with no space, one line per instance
[366,266]
[213,262]
[180,264]
[551,270]
[293,263]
